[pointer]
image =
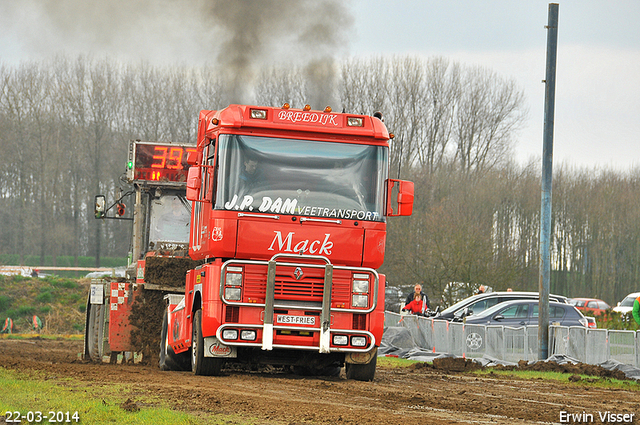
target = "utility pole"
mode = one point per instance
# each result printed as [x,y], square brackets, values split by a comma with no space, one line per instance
[547,178]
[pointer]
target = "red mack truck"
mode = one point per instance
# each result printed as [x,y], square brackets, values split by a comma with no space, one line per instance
[289,213]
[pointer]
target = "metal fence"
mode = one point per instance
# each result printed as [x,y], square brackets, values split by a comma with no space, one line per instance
[592,346]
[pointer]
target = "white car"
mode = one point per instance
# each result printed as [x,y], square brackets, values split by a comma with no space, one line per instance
[626,305]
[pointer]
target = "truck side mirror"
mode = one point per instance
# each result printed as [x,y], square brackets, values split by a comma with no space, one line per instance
[404,198]
[193,183]
[100,206]
[192,157]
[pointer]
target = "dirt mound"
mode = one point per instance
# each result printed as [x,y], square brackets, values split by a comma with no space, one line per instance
[573,369]
[459,364]
[146,317]
[455,364]
[168,271]
[149,305]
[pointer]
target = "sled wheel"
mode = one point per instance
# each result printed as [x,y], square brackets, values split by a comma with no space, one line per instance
[201,365]
[94,331]
[362,372]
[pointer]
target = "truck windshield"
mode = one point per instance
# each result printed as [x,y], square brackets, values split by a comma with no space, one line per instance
[169,220]
[301,177]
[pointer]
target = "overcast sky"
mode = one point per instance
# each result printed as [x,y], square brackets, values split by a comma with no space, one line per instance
[597,120]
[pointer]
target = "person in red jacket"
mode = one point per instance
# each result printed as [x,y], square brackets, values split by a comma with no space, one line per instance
[415,306]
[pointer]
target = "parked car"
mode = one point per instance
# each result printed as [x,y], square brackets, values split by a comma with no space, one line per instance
[590,305]
[480,302]
[393,299]
[525,313]
[626,305]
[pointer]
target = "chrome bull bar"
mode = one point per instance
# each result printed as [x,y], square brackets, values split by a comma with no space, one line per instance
[325,330]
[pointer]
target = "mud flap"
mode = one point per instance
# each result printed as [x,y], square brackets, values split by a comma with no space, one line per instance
[361,358]
[214,348]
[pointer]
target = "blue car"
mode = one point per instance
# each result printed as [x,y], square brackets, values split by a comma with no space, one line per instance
[525,313]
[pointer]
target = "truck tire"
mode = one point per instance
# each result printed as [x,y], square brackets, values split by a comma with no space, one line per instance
[201,365]
[362,372]
[169,360]
[95,331]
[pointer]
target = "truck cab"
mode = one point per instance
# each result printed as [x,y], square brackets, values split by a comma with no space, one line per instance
[289,217]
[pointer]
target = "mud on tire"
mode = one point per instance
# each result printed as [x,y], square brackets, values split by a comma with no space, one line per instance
[362,372]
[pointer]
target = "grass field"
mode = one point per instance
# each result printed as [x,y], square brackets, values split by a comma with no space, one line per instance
[59,302]
[79,402]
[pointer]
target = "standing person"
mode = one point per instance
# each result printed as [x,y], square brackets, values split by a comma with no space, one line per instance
[417,290]
[636,310]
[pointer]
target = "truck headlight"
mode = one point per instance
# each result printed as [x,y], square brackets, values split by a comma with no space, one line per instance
[232,294]
[340,340]
[248,335]
[230,334]
[361,286]
[358,341]
[233,276]
[361,301]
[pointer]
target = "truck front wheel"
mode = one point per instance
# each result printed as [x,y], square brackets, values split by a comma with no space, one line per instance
[361,372]
[169,360]
[201,365]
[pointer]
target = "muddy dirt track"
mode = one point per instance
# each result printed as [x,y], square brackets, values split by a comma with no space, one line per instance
[423,394]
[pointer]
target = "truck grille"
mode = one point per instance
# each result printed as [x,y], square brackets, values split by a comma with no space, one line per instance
[307,289]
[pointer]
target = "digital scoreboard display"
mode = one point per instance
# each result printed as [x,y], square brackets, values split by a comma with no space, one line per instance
[158,162]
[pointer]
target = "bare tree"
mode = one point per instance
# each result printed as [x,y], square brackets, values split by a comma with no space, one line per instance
[364,85]
[489,110]
[442,91]
[22,98]
[279,85]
